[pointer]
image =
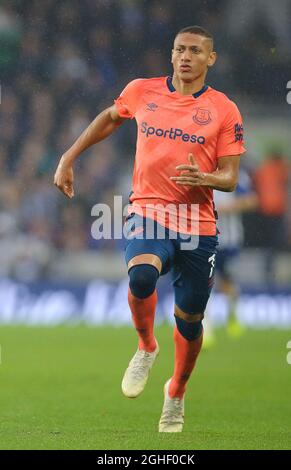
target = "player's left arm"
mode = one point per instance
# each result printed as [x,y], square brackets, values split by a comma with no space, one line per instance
[225,178]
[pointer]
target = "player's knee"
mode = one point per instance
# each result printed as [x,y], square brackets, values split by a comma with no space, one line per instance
[189,330]
[142,280]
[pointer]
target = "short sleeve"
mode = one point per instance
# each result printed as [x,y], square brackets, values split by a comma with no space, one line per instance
[128,99]
[231,137]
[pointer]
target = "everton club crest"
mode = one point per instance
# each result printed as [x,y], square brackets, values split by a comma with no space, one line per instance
[202,116]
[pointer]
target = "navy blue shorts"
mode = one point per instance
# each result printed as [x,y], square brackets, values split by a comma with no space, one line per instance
[192,270]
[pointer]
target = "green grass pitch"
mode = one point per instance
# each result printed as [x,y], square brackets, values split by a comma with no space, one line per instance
[60,389]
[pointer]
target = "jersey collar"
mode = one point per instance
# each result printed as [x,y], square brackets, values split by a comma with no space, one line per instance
[195,95]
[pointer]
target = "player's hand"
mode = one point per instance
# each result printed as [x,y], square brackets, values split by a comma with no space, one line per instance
[190,174]
[64,179]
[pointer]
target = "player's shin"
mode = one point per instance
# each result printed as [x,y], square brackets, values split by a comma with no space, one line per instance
[142,299]
[186,353]
[143,316]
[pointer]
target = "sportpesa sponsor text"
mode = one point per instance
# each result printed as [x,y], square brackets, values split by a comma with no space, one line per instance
[171,133]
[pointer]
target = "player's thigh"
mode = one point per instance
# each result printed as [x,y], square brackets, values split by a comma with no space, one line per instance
[139,250]
[193,278]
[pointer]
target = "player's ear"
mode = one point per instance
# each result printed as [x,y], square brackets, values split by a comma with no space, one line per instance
[172,56]
[212,59]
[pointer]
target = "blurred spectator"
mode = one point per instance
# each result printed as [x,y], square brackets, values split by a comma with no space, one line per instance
[10,33]
[271,181]
[244,16]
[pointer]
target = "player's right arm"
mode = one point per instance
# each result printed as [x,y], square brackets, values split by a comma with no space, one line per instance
[102,126]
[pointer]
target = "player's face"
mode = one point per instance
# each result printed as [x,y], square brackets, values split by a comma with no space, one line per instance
[191,56]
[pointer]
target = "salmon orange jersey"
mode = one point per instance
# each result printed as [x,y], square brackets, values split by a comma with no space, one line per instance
[170,126]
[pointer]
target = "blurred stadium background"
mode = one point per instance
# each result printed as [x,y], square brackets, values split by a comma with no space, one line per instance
[63,62]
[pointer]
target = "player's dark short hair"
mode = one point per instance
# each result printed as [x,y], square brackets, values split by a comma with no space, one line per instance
[196,30]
